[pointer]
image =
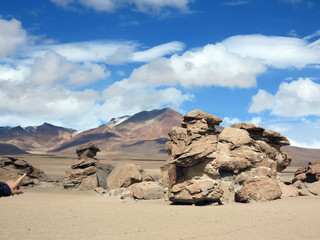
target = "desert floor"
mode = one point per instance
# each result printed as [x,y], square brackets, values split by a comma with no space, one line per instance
[55,213]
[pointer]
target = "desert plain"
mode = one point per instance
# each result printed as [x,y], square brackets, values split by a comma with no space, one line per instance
[52,212]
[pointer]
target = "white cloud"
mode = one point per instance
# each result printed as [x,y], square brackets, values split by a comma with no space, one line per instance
[127,97]
[11,73]
[144,6]
[158,51]
[107,52]
[315,144]
[88,73]
[256,120]
[295,99]
[229,121]
[208,66]
[278,52]
[50,69]
[12,36]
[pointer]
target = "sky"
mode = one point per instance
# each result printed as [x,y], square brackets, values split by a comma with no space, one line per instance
[79,63]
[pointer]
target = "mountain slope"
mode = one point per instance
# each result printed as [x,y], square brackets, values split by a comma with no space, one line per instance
[44,136]
[9,149]
[126,133]
[150,125]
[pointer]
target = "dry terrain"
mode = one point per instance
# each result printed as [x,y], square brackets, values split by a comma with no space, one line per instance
[56,213]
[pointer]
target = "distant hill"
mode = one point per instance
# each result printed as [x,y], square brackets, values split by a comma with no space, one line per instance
[44,136]
[144,130]
[9,149]
[301,156]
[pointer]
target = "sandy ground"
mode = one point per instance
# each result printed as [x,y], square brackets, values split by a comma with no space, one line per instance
[62,214]
[56,213]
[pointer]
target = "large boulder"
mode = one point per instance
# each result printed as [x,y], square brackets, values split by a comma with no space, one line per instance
[12,168]
[126,174]
[240,162]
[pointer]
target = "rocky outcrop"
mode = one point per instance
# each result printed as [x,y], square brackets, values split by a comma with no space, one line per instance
[204,164]
[12,168]
[308,174]
[87,173]
[307,179]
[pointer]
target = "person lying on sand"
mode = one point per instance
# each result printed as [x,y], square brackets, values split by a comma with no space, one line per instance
[11,187]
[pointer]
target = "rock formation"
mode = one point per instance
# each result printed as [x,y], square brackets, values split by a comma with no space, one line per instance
[307,179]
[126,174]
[130,181]
[12,168]
[239,163]
[87,173]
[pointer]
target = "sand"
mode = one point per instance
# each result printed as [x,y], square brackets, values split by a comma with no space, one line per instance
[57,213]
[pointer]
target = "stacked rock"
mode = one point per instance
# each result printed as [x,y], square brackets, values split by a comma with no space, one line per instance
[241,162]
[87,173]
[12,168]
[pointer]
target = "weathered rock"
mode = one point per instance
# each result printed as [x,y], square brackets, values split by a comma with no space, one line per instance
[100,190]
[199,115]
[244,157]
[314,188]
[288,190]
[126,174]
[147,190]
[103,171]
[309,174]
[258,188]
[12,168]
[87,150]
[88,183]
[194,191]
[87,173]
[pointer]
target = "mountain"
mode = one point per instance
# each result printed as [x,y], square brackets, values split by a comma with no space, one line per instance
[44,136]
[129,133]
[9,149]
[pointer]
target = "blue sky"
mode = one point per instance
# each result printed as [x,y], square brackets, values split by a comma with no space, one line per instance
[78,63]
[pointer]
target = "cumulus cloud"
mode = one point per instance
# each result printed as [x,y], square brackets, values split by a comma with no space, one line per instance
[12,36]
[50,69]
[88,73]
[207,66]
[144,6]
[274,51]
[295,99]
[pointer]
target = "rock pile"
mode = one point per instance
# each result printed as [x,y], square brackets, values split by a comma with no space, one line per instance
[307,179]
[87,173]
[239,163]
[12,168]
[126,180]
